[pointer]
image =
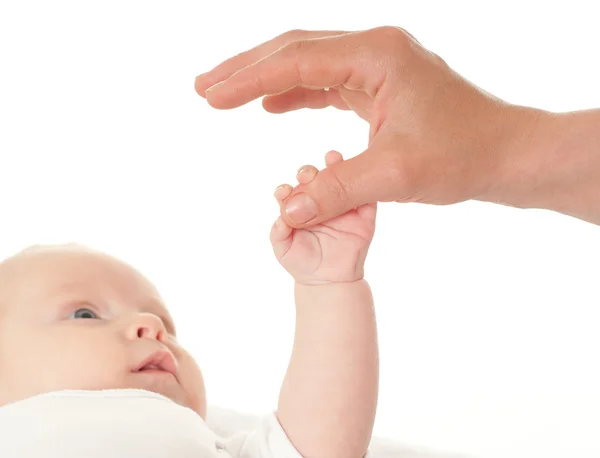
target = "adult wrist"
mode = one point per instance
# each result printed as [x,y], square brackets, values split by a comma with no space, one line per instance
[552,161]
[520,171]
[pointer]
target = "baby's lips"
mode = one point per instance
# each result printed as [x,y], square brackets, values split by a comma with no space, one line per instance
[159,360]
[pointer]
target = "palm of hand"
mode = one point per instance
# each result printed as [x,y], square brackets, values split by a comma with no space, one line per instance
[333,251]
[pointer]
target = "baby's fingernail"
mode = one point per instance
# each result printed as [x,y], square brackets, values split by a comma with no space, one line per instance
[279,192]
[301,208]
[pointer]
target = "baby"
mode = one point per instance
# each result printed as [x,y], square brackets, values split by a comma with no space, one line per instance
[80,329]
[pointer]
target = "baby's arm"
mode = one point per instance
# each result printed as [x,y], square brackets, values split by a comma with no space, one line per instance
[329,396]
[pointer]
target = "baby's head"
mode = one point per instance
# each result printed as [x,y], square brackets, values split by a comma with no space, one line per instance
[74,318]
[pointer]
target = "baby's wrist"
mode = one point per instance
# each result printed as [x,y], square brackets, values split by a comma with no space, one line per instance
[324,296]
[328,276]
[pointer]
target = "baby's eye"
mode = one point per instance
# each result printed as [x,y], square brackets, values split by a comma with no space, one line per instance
[84,313]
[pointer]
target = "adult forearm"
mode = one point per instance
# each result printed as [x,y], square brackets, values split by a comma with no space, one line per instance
[553,163]
[328,399]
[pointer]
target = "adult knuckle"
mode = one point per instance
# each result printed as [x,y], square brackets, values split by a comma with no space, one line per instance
[395,168]
[298,46]
[396,53]
[388,32]
[394,40]
[402,174]
[294,34]
[337,186]
[299,52]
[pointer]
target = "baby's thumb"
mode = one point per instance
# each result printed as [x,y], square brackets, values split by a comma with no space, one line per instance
[337,189]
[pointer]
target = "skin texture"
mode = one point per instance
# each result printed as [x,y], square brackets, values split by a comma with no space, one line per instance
[434,137]
[44,348]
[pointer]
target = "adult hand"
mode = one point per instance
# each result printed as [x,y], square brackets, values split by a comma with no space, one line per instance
[434,136]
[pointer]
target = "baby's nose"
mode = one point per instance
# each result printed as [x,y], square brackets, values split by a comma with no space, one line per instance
[146,326]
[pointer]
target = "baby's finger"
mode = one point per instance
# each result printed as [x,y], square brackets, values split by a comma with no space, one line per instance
[367,211]
[306,174]
[281,239]
[282,191]
[332,157]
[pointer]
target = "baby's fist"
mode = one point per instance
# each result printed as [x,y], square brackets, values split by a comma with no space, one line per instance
[330,252]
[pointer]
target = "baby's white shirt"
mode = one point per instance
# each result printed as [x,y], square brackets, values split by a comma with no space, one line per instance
[125,424]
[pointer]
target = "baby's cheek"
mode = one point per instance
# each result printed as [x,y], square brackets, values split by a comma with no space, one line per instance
[191,380]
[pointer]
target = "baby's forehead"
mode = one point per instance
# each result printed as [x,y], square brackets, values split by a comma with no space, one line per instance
[55,270]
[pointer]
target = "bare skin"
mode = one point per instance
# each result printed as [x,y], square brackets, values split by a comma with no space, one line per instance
[434,137]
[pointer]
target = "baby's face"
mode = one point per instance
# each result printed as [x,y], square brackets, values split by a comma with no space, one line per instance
[76,319]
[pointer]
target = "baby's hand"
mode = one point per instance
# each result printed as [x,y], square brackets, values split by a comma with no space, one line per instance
[330,252]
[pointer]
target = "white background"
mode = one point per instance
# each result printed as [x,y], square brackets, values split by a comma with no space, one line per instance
[488,315]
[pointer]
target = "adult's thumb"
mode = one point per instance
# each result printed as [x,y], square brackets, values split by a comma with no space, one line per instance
[340,187]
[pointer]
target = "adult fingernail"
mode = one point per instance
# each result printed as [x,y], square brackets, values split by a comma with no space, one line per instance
[301,208]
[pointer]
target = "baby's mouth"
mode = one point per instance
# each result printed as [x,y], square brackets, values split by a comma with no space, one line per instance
[158,362]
